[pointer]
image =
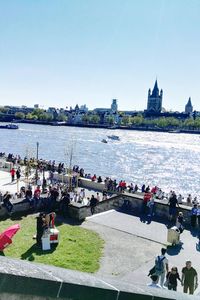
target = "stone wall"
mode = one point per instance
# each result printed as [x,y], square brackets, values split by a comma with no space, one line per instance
[134,202]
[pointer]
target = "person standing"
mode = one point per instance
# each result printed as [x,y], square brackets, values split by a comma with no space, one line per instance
[146,199]
[161,266]
[173,203]
[93,203]
[12,173]
[180,221]
[194,212]
[18,173]
[189,278]
[40,224]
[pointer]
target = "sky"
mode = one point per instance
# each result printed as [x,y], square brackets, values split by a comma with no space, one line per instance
[66,52]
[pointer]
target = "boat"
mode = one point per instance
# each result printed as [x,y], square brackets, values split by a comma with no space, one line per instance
[9,126]
[174,131]
[104,141]
[113,137]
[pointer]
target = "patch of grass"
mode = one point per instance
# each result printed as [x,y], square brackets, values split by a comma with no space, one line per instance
[78,249]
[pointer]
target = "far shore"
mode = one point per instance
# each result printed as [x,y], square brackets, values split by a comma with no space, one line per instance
[107,126]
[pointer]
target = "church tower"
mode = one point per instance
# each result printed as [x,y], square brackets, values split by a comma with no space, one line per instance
[114,106]
[154,103]
[189,107]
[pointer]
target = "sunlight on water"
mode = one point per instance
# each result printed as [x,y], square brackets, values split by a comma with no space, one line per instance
[169,160]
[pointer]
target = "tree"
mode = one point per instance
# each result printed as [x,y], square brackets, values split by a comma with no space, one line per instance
[30,116]
[125,120]
[137,120]
[161,122]
[95,119]
[189,122]
[62,117]
[45,116]
[197,123]
[110,120]
[20,115]
[86,118]
[4,109]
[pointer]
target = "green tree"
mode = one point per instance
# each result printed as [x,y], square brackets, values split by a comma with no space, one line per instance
[20,115]
[110,120]
[125,120]
[189,122]
[45,116]
[4,109]
[62,117]
[30,116]
[137,120]
[161,122]
[95,119]
[86,118]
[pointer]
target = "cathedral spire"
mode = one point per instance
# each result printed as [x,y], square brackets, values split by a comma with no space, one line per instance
[155,91]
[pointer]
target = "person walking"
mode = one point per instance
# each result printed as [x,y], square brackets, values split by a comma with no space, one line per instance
[154,283]
[161,266]
[172,277]
[189,278]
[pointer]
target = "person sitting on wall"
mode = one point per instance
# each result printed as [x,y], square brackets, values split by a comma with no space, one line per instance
[99,180]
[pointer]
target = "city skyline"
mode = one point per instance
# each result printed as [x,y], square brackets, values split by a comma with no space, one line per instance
[68,53]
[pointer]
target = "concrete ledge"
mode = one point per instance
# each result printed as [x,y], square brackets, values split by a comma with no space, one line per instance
[25,280]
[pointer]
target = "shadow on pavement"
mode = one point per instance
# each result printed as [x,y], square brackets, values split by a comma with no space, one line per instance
[174,250]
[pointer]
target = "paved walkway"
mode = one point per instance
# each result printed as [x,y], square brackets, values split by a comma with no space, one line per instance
[143,242]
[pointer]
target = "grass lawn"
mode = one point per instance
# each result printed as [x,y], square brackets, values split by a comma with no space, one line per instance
[78,249]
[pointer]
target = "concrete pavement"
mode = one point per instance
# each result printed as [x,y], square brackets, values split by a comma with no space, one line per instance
[143,243]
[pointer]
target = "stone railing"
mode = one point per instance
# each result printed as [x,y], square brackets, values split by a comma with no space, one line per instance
[132,201]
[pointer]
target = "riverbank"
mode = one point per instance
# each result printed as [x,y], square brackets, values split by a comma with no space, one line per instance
[107,126]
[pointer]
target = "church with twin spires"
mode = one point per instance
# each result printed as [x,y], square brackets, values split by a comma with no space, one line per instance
[154,102]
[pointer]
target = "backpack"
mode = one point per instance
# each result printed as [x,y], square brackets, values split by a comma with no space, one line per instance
[159,265]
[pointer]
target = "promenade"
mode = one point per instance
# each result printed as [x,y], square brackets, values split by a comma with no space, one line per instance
[131,247]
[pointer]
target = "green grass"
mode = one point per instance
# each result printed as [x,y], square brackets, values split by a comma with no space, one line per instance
[78,249]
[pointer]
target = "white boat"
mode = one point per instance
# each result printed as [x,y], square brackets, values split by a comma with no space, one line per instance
[174,131]
[104,141]
[113,137]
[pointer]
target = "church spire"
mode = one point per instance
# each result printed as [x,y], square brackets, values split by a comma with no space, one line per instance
[155,91]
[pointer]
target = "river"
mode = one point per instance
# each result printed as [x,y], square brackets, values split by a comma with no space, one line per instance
[169,160]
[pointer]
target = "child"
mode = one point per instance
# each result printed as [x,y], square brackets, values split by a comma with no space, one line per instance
[179,222]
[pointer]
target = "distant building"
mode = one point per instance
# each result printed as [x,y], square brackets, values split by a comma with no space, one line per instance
[154,103]
[114,106]
[36,106]
[112,110]
[189,107]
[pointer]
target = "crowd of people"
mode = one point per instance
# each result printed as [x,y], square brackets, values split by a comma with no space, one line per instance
[47,195]
[110,184]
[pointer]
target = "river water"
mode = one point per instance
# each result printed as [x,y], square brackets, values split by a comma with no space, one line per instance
[169,160]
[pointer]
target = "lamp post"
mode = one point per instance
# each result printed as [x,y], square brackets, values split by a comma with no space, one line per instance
[36,174]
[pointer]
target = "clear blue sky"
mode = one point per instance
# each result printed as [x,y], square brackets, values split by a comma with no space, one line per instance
[63,52]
